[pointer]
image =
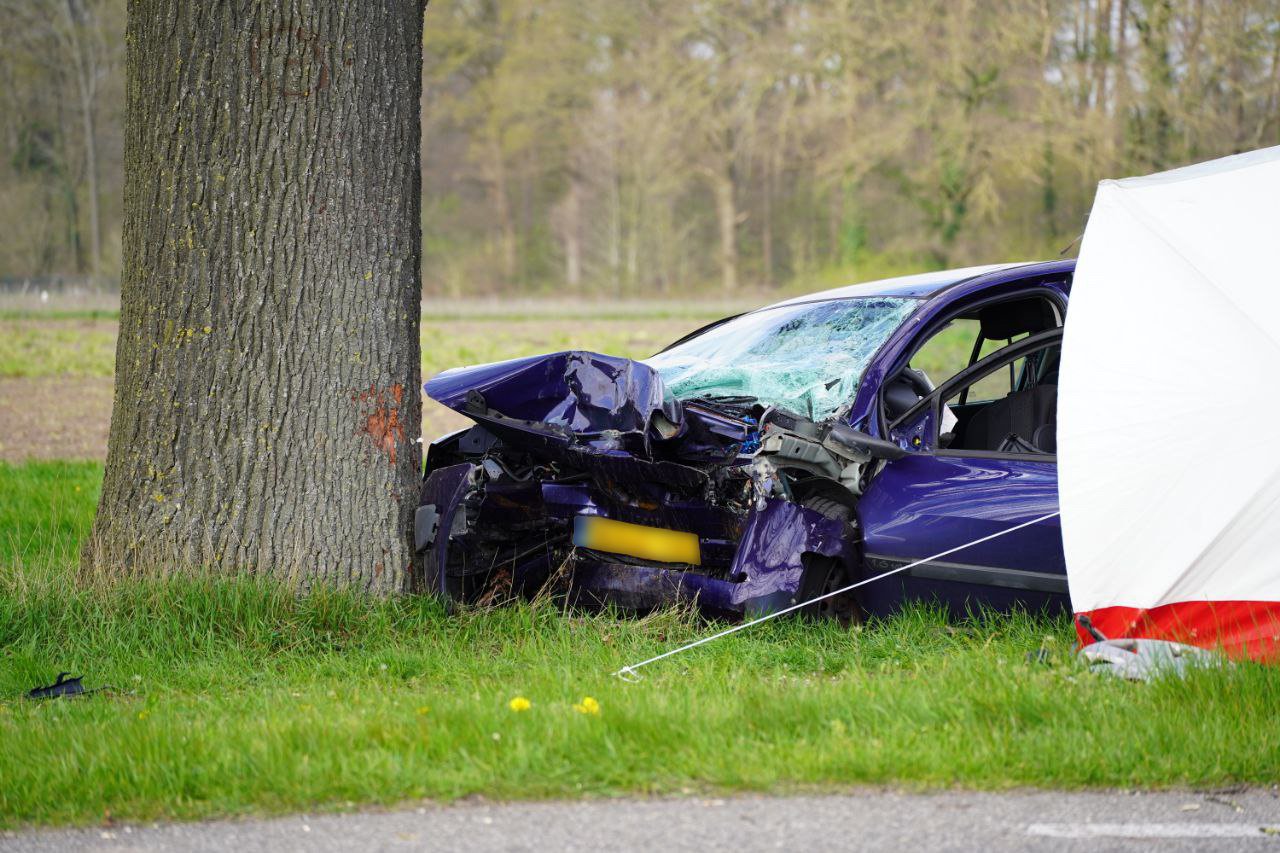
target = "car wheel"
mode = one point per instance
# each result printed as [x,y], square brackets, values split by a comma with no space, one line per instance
[823,574]
[830,507]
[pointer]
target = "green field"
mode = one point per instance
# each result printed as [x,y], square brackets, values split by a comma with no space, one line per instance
[44,415]
[236,697]
[68,342]
[233,697]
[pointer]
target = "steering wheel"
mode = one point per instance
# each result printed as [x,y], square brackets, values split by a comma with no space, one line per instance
[906,389]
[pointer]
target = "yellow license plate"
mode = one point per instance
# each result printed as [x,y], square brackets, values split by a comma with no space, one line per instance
[636,540]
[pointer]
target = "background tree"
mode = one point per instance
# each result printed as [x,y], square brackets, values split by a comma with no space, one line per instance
[631,147]
[267,370]
[70,50]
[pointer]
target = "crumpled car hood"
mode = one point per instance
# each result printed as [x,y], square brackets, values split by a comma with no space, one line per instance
[572,393]
[589,402]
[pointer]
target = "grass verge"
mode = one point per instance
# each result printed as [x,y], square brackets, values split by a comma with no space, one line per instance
[52,347]
[235,697]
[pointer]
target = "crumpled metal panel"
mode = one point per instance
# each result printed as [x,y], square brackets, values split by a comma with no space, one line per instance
[445,489]
[765,576]
[597,413]
[644,587]
[580,392]
[769,563]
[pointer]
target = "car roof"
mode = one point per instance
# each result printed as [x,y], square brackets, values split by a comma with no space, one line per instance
[917,286]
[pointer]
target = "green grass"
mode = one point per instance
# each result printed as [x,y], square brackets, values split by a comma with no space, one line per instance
[58,348]
[237,697]
[82,348]
[453,334]
[11,314]
[75,348]
[45,509]
[453,344]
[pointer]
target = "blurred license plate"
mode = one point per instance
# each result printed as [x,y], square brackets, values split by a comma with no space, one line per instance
[636,540]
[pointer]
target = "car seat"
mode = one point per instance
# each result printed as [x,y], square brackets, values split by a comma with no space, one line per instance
[1022,422]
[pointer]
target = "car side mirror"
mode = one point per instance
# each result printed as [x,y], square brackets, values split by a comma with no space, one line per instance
[842,438]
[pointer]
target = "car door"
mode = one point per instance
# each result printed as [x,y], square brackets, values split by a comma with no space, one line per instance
[938,497]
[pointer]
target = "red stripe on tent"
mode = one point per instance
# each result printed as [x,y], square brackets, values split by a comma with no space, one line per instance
[1242,629]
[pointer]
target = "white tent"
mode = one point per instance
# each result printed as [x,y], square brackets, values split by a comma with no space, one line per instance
[1169,408]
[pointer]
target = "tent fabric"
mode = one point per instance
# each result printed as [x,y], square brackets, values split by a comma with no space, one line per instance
[1168,414]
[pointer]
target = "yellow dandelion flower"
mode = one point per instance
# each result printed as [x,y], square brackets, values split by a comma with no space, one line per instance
[587,706]
[424,710]
[519,704]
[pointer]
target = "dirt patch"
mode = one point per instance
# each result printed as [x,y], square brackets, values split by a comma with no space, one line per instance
[54,417]
[55,374]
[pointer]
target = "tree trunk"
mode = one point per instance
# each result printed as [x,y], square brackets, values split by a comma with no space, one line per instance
[615,223]
[1156,127]
[766,222]
[91,171]
[573,233]
[727,217]
[634,224]
[502,209]
[74,241]
[267,370]
[84,58]
[1102,53]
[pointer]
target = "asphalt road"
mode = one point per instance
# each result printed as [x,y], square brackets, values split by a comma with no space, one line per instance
[866,820]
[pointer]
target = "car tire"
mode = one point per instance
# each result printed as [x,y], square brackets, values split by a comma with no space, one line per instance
[830,507]
[821,576]
[824,574]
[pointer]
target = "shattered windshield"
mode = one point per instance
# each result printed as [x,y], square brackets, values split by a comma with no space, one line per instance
[807,358]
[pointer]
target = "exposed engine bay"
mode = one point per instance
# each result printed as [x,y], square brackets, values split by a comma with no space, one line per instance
[584,478]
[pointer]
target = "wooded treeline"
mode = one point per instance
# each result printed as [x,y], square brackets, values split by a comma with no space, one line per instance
[672,146]
[61,110]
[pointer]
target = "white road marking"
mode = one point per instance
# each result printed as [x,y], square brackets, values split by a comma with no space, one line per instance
[1155,830]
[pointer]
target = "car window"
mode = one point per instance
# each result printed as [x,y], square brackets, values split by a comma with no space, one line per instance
[997,385]
[949,350]
[1010,409]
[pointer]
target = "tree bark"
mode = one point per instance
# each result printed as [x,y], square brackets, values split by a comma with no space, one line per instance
[1102,55]
[727,219]
[85,59]
[267,371]
[766,221]
[573,233]
[502,209]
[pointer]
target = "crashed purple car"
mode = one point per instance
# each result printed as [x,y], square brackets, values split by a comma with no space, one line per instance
[769,458]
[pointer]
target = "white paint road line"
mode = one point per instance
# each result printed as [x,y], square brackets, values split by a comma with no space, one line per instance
[1155,830]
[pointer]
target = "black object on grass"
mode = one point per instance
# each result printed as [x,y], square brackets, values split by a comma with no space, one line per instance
[63,686]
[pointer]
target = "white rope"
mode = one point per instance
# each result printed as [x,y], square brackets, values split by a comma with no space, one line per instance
[628,673]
